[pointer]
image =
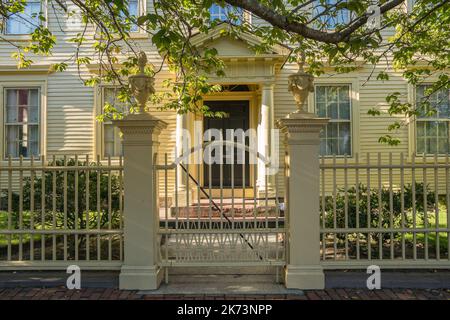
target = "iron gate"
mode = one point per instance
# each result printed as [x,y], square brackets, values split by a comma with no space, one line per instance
[241,225]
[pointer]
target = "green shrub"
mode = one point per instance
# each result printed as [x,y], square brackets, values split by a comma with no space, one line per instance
[377,216]
[58,200]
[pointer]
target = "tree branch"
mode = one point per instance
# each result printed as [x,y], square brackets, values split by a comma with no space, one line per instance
[283,22]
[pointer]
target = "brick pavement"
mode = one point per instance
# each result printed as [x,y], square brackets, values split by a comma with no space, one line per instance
[61,293]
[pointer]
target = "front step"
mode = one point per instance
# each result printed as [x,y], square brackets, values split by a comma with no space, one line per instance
[202,211]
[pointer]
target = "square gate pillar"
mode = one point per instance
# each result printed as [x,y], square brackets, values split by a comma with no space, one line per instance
[302,130]
[140,143]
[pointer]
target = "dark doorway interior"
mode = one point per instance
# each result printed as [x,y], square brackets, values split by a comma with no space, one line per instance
[238,118]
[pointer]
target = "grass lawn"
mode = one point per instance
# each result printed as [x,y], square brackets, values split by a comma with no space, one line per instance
[26,222]
[432,237]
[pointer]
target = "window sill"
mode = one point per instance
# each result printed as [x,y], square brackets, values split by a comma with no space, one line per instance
[16,37]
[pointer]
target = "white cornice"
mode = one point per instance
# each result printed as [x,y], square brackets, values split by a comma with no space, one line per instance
[33,69]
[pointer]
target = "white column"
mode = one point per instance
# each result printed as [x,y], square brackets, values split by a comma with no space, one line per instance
[141,218]
[304,270]
[181,126]
[265,125]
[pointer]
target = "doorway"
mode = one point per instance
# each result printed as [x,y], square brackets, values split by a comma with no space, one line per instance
[238,117]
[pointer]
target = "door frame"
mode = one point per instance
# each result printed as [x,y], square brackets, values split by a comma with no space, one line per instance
[253,98]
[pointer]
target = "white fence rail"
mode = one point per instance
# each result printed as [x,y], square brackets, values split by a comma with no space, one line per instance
[61,211]
[390,210]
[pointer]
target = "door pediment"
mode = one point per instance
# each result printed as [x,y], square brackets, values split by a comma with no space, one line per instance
[235,46]
[243,64]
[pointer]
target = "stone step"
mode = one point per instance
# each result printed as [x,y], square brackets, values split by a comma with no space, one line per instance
[204,211]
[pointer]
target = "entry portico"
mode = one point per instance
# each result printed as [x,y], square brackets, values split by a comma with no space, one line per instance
[244,68]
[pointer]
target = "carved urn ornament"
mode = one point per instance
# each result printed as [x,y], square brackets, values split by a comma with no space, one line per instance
[141,85]
[301,84]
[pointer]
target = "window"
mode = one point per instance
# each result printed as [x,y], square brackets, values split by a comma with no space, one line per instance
[333,101]
[24,22]
[112,145]
[133,11]
[327,18]
[433,131]
[22,122]
[226,13]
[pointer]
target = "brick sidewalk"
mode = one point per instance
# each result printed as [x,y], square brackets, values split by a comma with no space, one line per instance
[115,294]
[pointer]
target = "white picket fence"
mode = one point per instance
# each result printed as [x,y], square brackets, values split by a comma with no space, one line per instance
[61,211]
[387,226]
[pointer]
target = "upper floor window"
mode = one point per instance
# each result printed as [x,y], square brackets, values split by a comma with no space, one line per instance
[226,13]
[433,128]
[22,122]
[327,15]
[333,101]
[112,145]
[24,22]
[133,14]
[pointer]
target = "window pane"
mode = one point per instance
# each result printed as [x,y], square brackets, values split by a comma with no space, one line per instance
[431,145]
[439,101]
[344,111]
[332,94]
[110,96]
[34,97]
[443,129]
[321,109]
[33,133]
[11,97]
[23,97]
[226,13]
[21,137]
[420,145]
[111,134]
[420,128]
[431,128]
[333,102]
[11,114]
[443,146]
[332,131]
[337,138]
[333,110]
[33,114]
[23,114]
[344,137]
[327,16]
[24,22]
[133,9]
[111,141]
[12,141]
[344,96]
[320,94]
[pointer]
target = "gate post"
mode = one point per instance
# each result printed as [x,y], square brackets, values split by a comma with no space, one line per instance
[302,140]
[303,270]
[140,143]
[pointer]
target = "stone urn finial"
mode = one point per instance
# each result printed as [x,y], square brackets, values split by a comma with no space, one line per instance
[301,84]
[141,85]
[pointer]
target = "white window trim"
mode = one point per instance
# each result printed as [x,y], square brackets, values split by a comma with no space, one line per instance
[42,86]
[353,83]
[27,37]
[412,128]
